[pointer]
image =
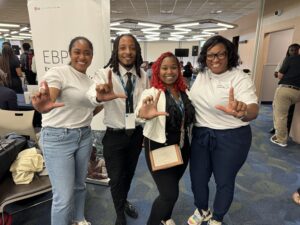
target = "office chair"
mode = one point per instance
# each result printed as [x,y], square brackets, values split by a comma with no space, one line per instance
[19,122]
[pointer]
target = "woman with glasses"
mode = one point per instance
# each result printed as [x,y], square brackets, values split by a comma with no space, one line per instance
[225,101]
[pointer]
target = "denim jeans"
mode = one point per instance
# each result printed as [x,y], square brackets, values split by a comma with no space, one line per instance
[221,153]
[67,153]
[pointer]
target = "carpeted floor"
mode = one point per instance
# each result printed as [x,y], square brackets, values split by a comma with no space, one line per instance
[262,196]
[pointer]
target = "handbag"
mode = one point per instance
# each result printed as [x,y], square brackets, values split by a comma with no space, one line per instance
[165,157]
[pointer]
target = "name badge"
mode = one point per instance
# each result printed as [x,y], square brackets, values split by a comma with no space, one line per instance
[129,121]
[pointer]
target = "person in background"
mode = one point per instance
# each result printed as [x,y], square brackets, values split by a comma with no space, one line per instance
[149,70]
[296,196]
[10,64]
[286,94]
[225,102]
[188,72]
[145,65]
[166,97]
[8,100]
[66,139]
[122,142]
[26,63]
[23,56]
[33,64]
[293,50]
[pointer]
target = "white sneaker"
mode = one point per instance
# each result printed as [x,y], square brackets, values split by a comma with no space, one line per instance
[214,222]
[197,218]
[274,140]
[84,222]
[168,222]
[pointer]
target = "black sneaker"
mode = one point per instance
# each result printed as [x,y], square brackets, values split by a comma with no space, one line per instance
[130,210]
[272,130]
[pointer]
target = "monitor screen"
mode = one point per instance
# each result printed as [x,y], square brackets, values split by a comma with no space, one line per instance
[181,52]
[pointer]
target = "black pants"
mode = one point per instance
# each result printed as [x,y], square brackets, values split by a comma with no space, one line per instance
[30,77]
[121,153]
[167,182]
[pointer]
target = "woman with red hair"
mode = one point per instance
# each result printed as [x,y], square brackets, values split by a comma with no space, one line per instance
[168,113]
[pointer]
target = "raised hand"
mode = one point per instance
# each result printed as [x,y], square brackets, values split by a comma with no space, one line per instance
[42,102]
[105,92]
[149,108]
[234,107]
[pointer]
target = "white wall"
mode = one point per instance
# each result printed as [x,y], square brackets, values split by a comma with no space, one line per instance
[278,45]
[152,50]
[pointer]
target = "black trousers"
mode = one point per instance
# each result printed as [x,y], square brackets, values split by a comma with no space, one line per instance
[167,182]
[121,153]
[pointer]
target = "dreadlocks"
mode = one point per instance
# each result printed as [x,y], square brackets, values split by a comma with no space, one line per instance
[114,61]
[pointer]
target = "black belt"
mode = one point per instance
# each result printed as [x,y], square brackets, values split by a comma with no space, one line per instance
[290,86]
[117,130]
[121,130]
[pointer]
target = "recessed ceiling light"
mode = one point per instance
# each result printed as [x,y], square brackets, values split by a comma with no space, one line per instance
[166,11]
[116,11]
[215,11]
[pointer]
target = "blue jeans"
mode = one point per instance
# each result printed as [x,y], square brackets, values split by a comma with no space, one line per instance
[221,153]
[67,153]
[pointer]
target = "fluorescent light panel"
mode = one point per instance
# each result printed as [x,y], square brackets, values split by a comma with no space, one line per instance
[120,29]
[24,34]
[225,25]
[24,28]
[206,32]
[12,38]
[214,29]
[182,29]
[149,24]
[122,32]
[115,24]
[149,29]
[186,25]
[9,25]
[4,30]
[201,35]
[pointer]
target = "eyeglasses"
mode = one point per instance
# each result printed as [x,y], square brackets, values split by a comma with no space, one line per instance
[221,55]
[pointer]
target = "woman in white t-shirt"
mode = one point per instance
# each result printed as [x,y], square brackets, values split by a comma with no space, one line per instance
[66,138]
[225,101]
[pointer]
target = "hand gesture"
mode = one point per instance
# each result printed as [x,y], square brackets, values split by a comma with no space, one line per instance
[42,102]
[105,92]
[149,108]
[235,108]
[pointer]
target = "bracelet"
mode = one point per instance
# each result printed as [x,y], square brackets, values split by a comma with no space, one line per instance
[98,100]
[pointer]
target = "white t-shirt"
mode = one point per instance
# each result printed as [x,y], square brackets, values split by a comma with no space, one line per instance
[73,86]
[211,89]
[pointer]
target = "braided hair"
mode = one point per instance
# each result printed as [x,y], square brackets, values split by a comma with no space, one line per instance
[114,60]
